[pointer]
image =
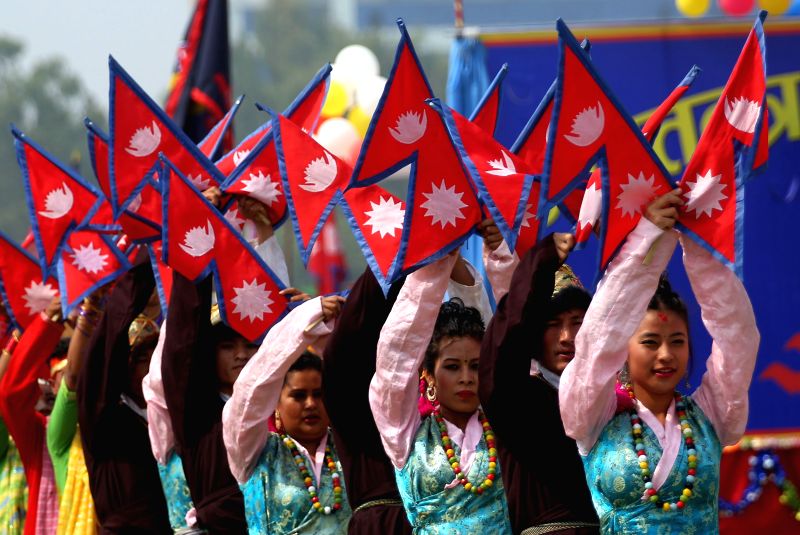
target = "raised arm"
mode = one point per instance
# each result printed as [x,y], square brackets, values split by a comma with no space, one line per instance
[256,391]
[506,350]
[159,425]
[586,394]
[728,317]
[104,376]
[401,349]
[467,284]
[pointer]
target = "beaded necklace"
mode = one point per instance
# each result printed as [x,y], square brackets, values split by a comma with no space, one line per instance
[300,461]
[650,494]
[452,458]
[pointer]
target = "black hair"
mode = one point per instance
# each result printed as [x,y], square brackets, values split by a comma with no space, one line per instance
[570,298]
[455,320]
[222,333]
[666,299]
[60,351]
[306,361]
[145,347]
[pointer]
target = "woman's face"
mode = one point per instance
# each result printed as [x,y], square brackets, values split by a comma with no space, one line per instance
[232,355]
[455,375]
[658,353]
[302,412]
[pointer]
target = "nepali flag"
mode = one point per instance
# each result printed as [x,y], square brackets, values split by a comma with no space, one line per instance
[401,125]
[732,146]
[589,127]
[25,293]
[327,262]
[312,179]
[140,131]
[592,198]
[220,138]
[88,261]
[198,241]
[200,88]
[376,218]
[58,199]
[252,168]
[487,111]
[501,179]
[139,220]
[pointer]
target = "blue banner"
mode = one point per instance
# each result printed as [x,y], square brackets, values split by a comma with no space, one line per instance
[642,64]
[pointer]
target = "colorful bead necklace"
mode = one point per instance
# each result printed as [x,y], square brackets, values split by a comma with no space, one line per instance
[452,458]
[300,461]
[650,494]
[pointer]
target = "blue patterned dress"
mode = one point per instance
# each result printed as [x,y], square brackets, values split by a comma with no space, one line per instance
[276,500]
[434,510]
[612,472]
[176,491]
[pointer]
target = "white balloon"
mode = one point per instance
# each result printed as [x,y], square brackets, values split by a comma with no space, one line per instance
[358,58]
[340,137]
[368,93]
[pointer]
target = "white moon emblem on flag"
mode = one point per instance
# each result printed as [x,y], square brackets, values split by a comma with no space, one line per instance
[410,127]
[742,114]
[587,126]
[144,141]
[198,241]
[503,166]
[319,173]
[58,202]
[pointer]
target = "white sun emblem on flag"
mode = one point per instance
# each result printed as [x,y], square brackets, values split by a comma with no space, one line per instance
[262,188]
[232,216]
[527,216]
[252,300]
[591,205]
[705,194]
[88,258]
[635,194]
[199,182]
[37,296]
[443,205]
[386,216]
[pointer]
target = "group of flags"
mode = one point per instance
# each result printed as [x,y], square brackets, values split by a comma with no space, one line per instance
[581,151]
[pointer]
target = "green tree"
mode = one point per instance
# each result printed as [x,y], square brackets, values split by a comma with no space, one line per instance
[48,103]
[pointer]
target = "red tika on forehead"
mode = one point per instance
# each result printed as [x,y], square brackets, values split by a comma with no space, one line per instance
[662,316]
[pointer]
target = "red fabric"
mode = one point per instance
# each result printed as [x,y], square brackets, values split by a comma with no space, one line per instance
[327,262]
[767,514]
[18,395]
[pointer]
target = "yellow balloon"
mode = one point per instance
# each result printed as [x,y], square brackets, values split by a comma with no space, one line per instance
[337,101]
[776,7]
[360,119]
[693,8]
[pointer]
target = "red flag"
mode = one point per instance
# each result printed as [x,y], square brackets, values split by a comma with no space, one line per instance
[162,274]
[140,131]
[23,290]
[327,262]
[726,155]
[220,136]
[197,240]
[502,180]
[312,177]
[589,206]
[588,126]
[376,218]
[138,226]
[58,199]
[88,261]
[488,109]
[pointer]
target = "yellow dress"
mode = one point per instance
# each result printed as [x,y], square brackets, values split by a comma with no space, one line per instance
[76,514]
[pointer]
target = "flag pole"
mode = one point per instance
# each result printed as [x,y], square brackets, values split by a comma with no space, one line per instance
[458,12]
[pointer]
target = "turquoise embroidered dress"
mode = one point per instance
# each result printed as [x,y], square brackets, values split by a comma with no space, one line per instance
[612,472]
[434,510]
[276,499]
[176,491]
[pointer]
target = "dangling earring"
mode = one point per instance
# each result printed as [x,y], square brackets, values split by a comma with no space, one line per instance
[278,423]
[686,382]
[430,393]
[624,376]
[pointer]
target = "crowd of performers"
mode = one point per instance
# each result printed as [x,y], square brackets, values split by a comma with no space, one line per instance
[416,411]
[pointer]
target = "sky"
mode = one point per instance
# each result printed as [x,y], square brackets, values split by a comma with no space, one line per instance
[143,35]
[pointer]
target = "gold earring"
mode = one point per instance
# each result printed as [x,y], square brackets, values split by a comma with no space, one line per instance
[278,423]
[430,393]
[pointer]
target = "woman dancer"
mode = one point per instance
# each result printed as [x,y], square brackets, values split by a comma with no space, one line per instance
[655,467]
[445,463]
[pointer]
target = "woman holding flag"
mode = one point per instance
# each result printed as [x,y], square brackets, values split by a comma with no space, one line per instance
[445,462]
[654,463]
